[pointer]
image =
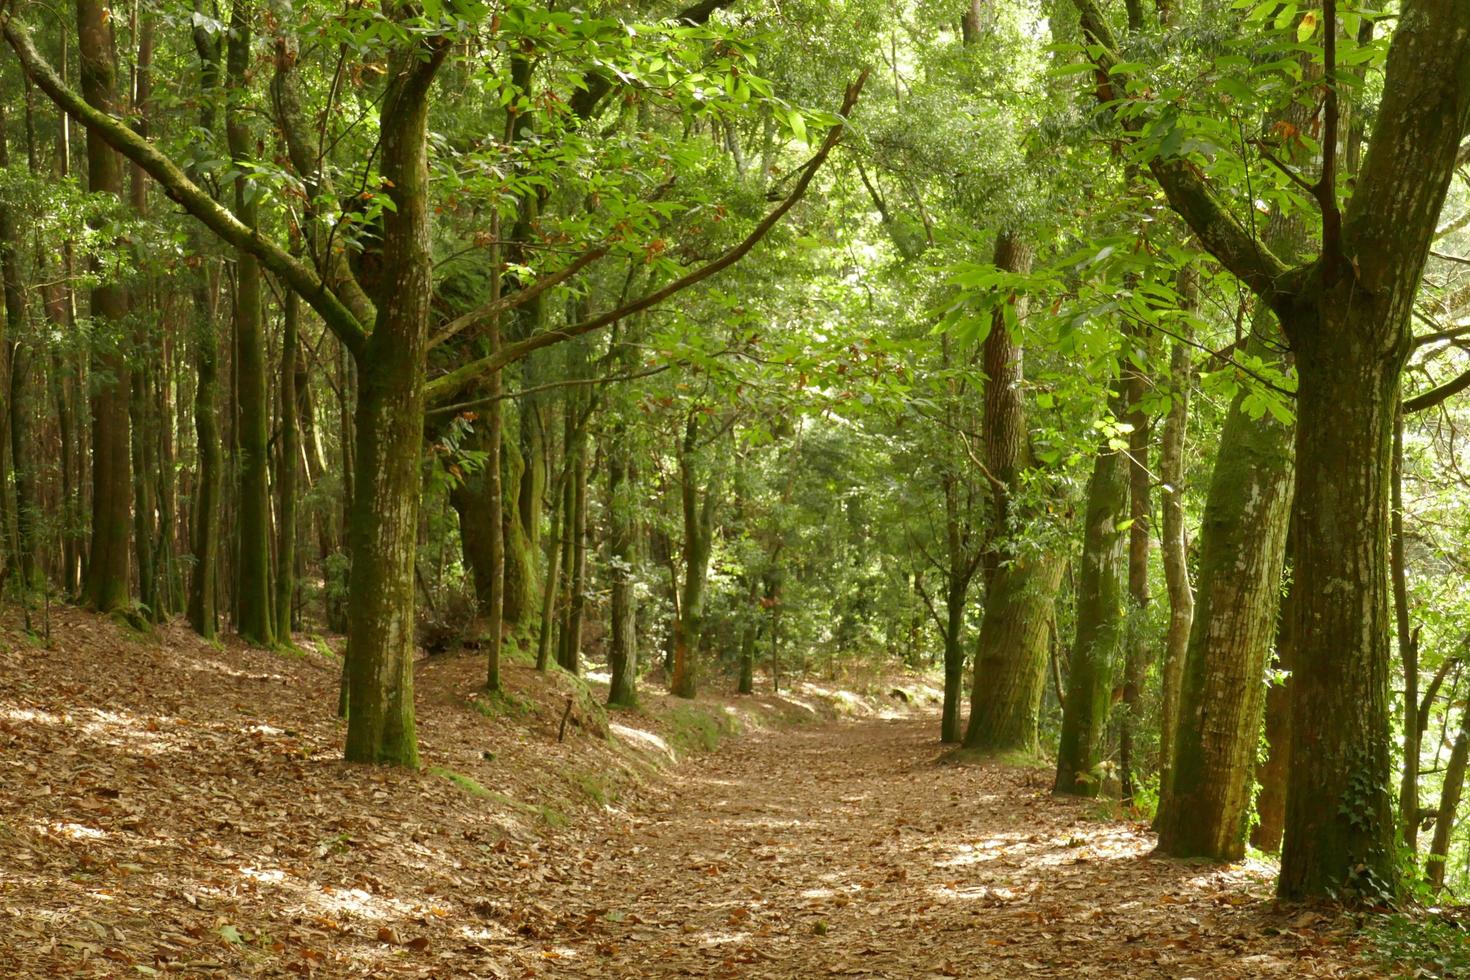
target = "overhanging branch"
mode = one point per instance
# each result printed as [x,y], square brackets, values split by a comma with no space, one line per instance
[446,384]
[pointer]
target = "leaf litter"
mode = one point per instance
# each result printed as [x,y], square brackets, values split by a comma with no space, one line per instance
[172,807]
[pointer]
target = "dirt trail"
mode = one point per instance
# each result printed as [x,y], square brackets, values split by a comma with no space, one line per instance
[171,808]
[849,850]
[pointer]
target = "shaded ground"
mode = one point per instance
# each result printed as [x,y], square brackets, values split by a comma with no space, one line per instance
[176,808]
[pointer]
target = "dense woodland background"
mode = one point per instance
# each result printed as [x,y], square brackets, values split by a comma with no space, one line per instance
[1105,360]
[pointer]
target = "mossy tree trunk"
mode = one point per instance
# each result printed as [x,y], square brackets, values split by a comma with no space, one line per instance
[1242,543]
[1101,601]
[389,421]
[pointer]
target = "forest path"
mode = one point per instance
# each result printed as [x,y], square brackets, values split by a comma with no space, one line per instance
[169,807]
[853,849]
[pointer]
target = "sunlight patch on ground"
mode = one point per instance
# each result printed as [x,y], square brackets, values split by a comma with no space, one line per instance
[598,676]
[74,831]
[218,667]
[646,740]
[268,876]
[32,715]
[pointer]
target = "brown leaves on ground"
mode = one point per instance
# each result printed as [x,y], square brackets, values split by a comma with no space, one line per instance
[175,808]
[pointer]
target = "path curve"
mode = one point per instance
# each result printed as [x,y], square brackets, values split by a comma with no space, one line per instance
[851,849]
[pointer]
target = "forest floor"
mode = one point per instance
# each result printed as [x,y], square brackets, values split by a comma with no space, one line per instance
[168,806]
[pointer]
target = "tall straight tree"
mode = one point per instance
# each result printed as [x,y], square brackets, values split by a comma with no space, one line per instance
[107,567]
[254,622]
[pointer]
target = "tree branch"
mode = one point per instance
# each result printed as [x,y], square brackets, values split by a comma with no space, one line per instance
[1219,231]
[180,188]
[518,298]
[444,384]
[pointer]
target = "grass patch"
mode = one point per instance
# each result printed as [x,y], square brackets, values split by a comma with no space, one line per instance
[464,782]
[695,729]
[599,788]
[552,817]
[1425,945]
[502,704]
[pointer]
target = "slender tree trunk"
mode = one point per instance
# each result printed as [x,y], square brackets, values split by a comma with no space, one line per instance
[286,473]
[622,544]
[1173,542]
[1449,803]
[106,585]
[1136,643]
[1408,648]
[698,538]
[20,408]
[204,521]
[1271,773]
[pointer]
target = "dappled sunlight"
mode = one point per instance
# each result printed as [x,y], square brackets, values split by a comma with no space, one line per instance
[645,739]
[219,667]
[73,831]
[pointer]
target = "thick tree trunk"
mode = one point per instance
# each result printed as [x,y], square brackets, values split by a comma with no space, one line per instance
[1011,651]
[106,582]
[253,622]
[383,527]
[1242,544]
[1339,824]
[1101,599]
[1010,661]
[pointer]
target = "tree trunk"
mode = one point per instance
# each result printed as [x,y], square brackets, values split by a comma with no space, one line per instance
[253,622]
[1339,824]
[106,583]
[1242,544]
[1010,660]
[955,597]
[1136,643]
[1175,547]
[1271,773]
[1408,648]
[204,521]
[383,526]
[20,407]
[286,473]
[698,539]
[1449,803]
[1100,611]
[622,544]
